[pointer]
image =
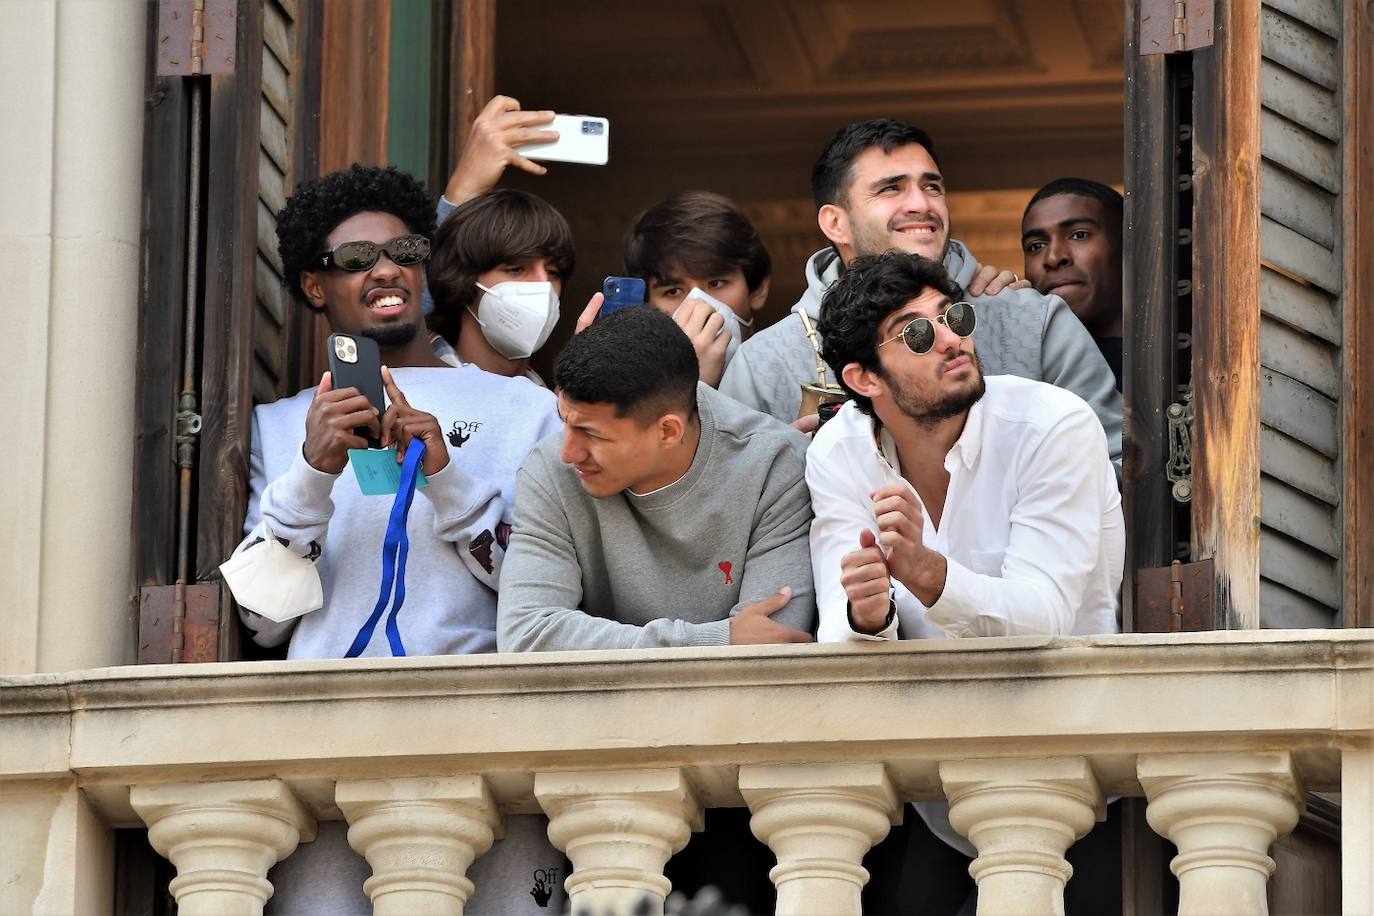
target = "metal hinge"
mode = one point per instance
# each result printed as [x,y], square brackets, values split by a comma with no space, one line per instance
[1179,468]
[196,37]
[1174,599]
[1171,26]
[188,428]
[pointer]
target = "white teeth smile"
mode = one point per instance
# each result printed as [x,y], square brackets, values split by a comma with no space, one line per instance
[386,302]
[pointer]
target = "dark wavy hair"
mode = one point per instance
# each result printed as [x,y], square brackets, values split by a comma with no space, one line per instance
[637,359]
[862,298]
[498,227]
[699,232]
[1109,197]
[831,174]
[320,204]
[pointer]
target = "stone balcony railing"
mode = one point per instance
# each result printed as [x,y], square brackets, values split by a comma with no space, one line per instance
[231,766]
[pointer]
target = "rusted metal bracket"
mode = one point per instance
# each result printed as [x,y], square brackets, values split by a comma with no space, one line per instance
[1174,599]
[1171,26]
[178,623]
[196,37]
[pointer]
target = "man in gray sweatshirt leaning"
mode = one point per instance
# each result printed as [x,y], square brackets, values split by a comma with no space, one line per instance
[665,515]
[878,187]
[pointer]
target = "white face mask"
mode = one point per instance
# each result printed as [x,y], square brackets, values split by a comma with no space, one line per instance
[517,316]
[733,322]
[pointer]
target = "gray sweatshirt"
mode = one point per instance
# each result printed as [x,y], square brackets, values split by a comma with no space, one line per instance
[1020,332]
[668,568]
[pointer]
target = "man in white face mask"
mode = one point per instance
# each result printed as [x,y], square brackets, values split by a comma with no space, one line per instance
[496,270]
[703,263]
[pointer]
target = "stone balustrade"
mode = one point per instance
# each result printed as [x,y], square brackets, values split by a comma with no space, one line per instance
[232,766]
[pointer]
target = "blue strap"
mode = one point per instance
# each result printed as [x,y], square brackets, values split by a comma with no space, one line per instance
[395,548]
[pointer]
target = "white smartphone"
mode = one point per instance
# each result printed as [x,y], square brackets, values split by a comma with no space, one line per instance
[581,139]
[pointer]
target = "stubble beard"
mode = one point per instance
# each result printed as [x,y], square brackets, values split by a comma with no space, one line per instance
[927,412]
[390,336]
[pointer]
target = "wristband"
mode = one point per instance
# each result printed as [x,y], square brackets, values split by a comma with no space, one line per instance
[891,614]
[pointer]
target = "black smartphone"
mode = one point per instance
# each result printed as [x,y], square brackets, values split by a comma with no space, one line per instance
[355,362]
[621,293]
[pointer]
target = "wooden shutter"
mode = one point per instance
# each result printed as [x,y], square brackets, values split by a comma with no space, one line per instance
[1301,301]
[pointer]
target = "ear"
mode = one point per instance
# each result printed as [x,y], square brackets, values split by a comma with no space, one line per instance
[834,223]
[863,381]
[313,289]
[759,295]
[671,428]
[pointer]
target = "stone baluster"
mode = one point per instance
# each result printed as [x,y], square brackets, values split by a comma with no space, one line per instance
[222,837]
[1222,811]
[1021,816]
[420,835]
[819,820]
[619,828]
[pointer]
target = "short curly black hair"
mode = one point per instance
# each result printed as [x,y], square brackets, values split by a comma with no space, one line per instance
[855,306]
[320,204]
[636,359]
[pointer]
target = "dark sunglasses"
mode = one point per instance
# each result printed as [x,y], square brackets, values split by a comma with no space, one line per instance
[919,333]
[403,250]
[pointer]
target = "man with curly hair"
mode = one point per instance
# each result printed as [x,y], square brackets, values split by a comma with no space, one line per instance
[949,505]
[353,246]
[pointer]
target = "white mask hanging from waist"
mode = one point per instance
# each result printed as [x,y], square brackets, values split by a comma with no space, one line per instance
[734,324]
[517,316]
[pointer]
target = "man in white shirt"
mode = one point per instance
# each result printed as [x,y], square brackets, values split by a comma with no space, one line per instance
[947,504]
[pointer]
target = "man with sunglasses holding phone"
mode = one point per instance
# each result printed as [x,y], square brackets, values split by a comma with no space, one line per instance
[950,505]
[878,187]
[353,245]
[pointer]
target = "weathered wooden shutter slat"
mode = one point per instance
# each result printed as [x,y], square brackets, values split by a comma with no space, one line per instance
[1300,412]
[1284,607]
[276,35]
[1299,256]
[1285,458]
[1297,204]
[276,86]
[1288,300]
[1324,15]
[1300,151]
[1300,48]
[1294,513]
[1300,100]
[274,140]
[1299,567]
[1302,358]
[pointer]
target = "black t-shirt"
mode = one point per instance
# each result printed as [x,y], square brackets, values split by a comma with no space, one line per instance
[1111,351]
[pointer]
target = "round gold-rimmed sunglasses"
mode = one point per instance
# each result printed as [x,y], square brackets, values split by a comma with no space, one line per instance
[919,333]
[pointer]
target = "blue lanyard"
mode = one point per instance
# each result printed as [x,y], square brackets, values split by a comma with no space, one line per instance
[395,547]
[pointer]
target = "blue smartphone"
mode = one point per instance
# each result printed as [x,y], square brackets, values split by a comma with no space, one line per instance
[620,293]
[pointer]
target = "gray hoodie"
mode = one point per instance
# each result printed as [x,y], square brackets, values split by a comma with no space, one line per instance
[1020,332]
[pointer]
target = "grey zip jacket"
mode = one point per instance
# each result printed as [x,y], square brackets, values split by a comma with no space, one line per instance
[1020,332]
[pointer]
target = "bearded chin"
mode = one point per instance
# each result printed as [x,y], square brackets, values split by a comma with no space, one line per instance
[929,412]
[388,336]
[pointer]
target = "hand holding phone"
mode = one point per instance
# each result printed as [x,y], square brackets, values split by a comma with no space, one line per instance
[581,138]
[356,362]
[621,293]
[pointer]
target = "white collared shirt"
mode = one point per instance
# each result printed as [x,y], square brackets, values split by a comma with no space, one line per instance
[1032,529]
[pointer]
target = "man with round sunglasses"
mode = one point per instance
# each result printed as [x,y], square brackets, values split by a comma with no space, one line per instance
[878,187]
[353,246]
[949,505]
